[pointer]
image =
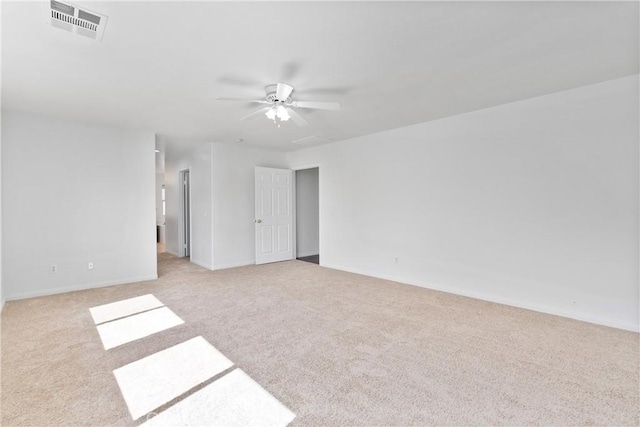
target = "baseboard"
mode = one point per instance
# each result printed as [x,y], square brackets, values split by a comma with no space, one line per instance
[171,252]
[598,320]
[305,254]
[2,304]
[202,264]
[233,265]
[63,290]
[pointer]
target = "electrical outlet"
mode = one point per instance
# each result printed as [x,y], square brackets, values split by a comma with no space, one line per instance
[53,269]
[90,266]
[397,260]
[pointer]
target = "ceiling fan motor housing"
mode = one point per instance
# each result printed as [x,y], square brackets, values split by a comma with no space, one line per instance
[272,96]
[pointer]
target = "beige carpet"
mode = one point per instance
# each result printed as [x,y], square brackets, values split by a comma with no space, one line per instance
[335,348]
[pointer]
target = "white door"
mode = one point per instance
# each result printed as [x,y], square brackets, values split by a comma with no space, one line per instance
[274,215]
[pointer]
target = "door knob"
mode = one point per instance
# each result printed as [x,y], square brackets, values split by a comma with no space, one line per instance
[258,221]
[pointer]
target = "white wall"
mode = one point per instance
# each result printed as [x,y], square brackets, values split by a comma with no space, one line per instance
[307,213]
[198,160]
[2,297]
[159,212]
[159,184]
[234,202]
[174,162]
[75,193]
[533,204]
[222,201]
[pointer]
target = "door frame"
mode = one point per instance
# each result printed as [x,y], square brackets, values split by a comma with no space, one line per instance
[181,217]
[295,213]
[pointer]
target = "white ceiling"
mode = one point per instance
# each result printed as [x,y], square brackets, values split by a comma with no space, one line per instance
[390,64]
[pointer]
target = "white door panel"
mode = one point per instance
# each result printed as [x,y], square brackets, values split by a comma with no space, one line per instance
[274,215]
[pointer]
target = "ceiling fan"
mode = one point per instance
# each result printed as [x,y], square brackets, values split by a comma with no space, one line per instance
[281,106]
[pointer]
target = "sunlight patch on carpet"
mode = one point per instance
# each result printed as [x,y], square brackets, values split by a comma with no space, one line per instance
[233,400]
[138,326]
[155,380]
[127,307]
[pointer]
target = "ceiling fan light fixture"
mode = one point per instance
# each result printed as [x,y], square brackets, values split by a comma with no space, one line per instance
[277,112]
[271,114]
[282,113]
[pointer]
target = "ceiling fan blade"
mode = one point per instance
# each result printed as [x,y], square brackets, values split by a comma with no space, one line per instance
[256,101]
[283,91]
[255,113]
[297,118]
[316,105]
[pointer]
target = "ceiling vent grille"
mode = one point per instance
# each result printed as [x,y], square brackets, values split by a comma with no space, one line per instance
[311,140]
[71,18]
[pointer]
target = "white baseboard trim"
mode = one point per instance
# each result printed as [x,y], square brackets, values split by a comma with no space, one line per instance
[233,265]
[202,264]
[172,252]
[4,300]
[304,254]
[45,292]
[598,320]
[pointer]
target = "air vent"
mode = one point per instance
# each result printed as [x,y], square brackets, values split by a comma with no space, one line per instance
[72,18]
[311,140]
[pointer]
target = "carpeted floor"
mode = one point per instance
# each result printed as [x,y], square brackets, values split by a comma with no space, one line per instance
[333,347]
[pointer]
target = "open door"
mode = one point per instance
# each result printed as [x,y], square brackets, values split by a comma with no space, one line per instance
[274,215]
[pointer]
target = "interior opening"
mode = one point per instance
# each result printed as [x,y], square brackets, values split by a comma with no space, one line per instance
[308,215]
[160,202]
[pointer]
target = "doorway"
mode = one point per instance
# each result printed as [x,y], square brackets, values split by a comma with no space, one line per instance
[308,215]
[160,203]
[184,226]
